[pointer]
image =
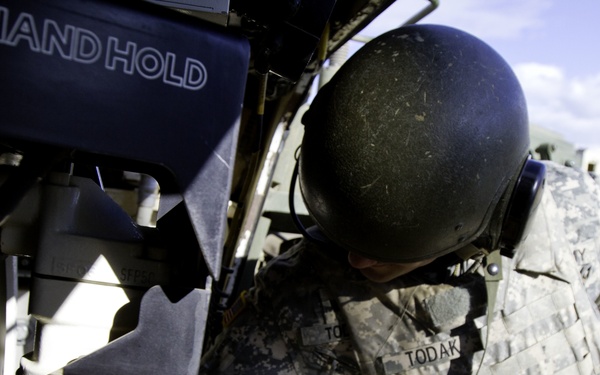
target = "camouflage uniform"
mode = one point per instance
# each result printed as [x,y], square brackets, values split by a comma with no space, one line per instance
[311,313]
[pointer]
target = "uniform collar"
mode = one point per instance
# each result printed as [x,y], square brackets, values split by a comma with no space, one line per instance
[541,252]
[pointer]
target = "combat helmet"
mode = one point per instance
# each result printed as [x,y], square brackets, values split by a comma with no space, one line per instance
[413,148]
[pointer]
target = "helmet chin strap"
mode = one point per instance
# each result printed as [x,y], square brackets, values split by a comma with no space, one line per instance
[493,275]
[492,263]
[492,271]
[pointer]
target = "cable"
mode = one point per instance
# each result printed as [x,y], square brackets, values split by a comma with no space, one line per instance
[291,196]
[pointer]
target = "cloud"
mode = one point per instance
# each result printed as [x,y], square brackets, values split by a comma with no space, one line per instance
[504,19]
[567,105]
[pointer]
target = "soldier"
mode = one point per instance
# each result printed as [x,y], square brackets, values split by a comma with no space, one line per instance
[415,169]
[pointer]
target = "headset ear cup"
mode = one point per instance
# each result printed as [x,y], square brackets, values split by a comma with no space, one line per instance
[523,204]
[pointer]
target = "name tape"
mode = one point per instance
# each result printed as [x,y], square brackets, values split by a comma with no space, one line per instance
[323,334]
[435,353]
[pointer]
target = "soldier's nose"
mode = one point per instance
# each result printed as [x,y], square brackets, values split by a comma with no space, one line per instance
[360,262]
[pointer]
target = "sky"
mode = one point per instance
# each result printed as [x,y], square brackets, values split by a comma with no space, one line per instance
[552,45]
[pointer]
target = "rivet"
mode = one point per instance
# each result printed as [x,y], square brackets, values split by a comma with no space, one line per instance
[493,269]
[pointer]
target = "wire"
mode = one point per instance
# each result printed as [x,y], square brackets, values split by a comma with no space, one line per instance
[295,218]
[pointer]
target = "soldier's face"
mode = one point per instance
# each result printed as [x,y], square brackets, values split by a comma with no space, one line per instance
[381,272]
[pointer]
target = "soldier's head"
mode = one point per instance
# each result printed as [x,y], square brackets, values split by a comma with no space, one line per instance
[413,149]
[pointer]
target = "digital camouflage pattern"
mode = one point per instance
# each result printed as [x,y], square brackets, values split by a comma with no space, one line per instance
[578,201]
[311,313]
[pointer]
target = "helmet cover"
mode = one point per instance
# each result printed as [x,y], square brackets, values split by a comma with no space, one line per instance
[410,146]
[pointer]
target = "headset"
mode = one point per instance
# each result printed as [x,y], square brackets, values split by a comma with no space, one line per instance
[522,206]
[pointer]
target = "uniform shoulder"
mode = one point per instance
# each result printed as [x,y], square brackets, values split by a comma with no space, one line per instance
[290,277]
